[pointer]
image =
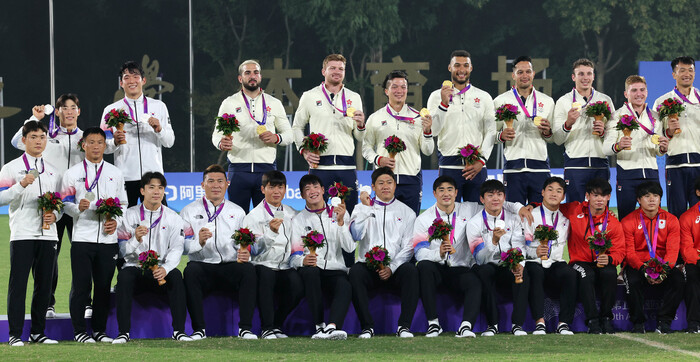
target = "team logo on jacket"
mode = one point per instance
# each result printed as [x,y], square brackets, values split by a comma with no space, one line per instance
[199,217]
[349,102]
[567,182]
[540,107]
[639,226]
[580,216]
[662,224]
[697,221]
[477,103]
[238,109]
[308,228]
[53,140]
[319,103]
[383,123]
[268,109]
[398,219]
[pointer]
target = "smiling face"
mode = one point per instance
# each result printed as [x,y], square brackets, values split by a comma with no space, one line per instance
[650,203]
[35,142]
[153,192]
[132,82]
[215,185]
[445,195]
[493,201]
[274,194]
[523,74]
[684,74]
[636,94]
[334,72]
[384,187]
[68,114]
[460,68]
[250,77]
[396,90]
[583,78]
[313,195]
[552,195]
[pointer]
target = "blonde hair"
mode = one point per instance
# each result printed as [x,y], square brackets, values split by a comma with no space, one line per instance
[634,79]
[333,58]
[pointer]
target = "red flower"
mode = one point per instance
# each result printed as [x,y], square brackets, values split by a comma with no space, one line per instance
[245,231]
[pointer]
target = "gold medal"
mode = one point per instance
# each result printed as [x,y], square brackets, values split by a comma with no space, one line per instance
[447,83]
[655,139]
[537,120]
[424,112]
[261,129]
[576,106]
[350,111]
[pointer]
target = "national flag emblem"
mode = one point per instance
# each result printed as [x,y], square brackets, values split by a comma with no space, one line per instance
[319,103]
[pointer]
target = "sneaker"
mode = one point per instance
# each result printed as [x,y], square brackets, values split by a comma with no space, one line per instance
[564,330]
[491,331]
[335,334]
[278,333]
[181,337]
[101,337]
[403,332]
[367,333]
[268,334]
[51,312]
[434,330]
[15,342]
[121,338]
[319,331]
[246,334]
[638,328]
[465,331]
[518,331]
[540,329]
[692,328]
[663,327]
[41,338]
[198,335]
[88,311]
[83,338]
[607,326]
[594,326]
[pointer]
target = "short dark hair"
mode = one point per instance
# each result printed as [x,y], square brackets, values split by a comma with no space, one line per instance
[215,168]
[309,180]
[648,187]
[382,171]
[555,179]
[598,186]
[522,58]
[491,186]
[393,75]
[94,130]
[65,97]
[444,179]
[131,67]
[33,126]
[274,178]
[585,62]
[460,53]
[682,60]
[148,176]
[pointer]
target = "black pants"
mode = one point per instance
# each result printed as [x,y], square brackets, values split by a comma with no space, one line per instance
[91,263]
[589,277]
[558,274]
[39,257]
[133,192]
[66,223]
[692,294]
[405,278]
[465,279]
[286,285]
[316,281]
[673,289]
[202,278]
[491,276]
[132,280]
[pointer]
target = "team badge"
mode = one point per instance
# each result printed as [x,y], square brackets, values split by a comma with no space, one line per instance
[662,224]
[580,216]
[383,123]
[567,182]
[238,109]
[477,103]
[540,107]
[349,102]
[319,103]
[697,221]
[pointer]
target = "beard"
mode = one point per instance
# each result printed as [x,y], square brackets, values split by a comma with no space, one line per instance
[251,88]
[465,81]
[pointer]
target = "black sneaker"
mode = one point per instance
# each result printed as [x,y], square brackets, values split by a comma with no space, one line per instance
[692,328]
[607,326]
[638,328]
[664,327]
[594,326]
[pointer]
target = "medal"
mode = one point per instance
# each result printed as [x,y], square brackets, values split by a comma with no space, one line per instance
[500,224]
[34,172]
[351,111]
[537,120]
[90,196]
[366,189]
[261,129]
[576,106]
[655,139]
[210,226]
[447,83]
[335,201]
[279,214]
[424,112]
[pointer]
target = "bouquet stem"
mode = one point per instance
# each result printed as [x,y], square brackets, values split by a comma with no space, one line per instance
[674,116]
[154,268]
[546,256]
[518,280]
[315,165]
[312,250]
[627,132]
[509,123]
[598,117]
[120,126]
[446,240]
[46,226]
[381,267]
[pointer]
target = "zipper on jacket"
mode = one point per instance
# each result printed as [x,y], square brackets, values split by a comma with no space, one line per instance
[323,228]
[384,227]
[69,147]
[40,194]
[138,135]
[216,231]
[99,217]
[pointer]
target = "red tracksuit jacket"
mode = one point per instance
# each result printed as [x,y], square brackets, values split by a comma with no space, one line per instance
[690,234]
[577,213]
[668,243]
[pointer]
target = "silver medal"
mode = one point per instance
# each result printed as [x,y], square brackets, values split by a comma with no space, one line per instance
[90,196]
[211,226]
[500,224]
[279,214]
[34,172]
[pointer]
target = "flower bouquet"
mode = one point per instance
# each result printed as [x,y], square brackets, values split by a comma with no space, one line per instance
[243,237]
[80,144]
[313,240]
[394,145]
[149,260]
[48,203]
[377,258]
[545,234]
[656,269]
[339,190]
[507,113]
[440,230]
[227,124]
[599,111]
[671,108]
[117,118]
[109,207]
[600,243]
[510,259]
[315,143]
[627,124]
[470,154]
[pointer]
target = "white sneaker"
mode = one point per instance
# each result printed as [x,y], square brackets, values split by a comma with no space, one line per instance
[319,331]
[403,332]
[50,312]
[331,333]
[88,312]
[199,335]
[246,334]
[83,338]
[279,334]
[434,330]
[268,334]
[181,337]
[41,338]
[563,329]
[15,342]
[518,331]
[366,333]
[121,339]
[490,332]
[101,337]
[465,331]
[540,330]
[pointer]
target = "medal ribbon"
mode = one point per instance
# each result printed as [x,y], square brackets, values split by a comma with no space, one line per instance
[651,118]
[544,222]
[216,213]
[131,111]
[461,92]
[589,98]
[651,243]
[26,164]
[329,209]
[402,118]
[247,105]
[590,220]
[684,98]
[267,208]
[97,176]
[344,111]
[486,222]
[143,216]
[53,128]
[522,105]
[374,200]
